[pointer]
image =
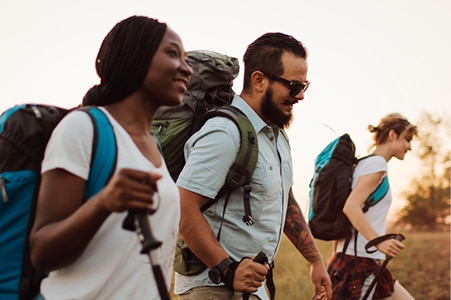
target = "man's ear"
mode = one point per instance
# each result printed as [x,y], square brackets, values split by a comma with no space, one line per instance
[259,81]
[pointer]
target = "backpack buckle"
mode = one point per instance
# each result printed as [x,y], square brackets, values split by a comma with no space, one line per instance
[248,220]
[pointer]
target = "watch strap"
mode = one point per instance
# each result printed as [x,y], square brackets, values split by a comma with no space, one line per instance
[223,265]
[230,274]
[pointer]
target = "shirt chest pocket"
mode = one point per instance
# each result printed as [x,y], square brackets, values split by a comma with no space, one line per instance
[273,173]
[266,182]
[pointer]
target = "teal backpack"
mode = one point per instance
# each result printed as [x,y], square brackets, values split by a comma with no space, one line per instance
[24,133]
[330,186]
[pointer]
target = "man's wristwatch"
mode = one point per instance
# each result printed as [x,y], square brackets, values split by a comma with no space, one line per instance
[216,273]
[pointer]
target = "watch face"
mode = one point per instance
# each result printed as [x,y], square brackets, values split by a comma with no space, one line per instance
[214,276]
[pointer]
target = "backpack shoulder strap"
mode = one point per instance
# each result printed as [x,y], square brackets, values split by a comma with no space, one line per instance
[160,147]
[377,194]
[240,173]
[285,135]
[373,199]
[104,151]
[380,191]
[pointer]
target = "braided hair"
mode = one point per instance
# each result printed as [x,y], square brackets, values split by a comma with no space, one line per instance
[124,59]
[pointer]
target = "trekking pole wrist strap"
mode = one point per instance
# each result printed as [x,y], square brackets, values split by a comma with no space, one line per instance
[382,238]
[230,274]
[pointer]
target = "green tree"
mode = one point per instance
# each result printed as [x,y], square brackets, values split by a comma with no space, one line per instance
[428,199]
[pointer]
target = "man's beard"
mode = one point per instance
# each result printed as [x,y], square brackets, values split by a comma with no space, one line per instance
[271,112]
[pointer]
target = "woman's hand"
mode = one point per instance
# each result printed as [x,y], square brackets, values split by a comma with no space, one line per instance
[390,247]
[130,189]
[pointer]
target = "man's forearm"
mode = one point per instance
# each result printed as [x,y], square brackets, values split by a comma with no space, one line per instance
[196,232]
[298,232]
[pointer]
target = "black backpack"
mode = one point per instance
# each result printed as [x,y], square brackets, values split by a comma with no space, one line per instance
[24,133]
[330,186]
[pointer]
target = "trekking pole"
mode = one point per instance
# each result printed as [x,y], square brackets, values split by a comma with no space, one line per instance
[136,221]
[262,259]
[398,237]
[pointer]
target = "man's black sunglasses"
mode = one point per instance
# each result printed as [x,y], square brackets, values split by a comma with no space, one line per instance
[294,86]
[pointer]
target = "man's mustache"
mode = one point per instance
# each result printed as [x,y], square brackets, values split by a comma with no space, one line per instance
[290,102]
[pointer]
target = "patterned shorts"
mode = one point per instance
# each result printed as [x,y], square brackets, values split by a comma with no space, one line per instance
[348,275]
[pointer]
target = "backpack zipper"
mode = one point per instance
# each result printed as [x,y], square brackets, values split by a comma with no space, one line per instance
[3,187]
[36,112]
[160,126]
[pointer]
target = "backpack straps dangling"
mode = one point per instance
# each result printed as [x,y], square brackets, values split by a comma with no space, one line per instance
[247,218]
[240,173]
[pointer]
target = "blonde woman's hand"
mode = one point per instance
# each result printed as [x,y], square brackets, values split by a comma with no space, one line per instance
[390,247]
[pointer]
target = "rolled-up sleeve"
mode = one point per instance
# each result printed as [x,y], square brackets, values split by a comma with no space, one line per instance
[209,154]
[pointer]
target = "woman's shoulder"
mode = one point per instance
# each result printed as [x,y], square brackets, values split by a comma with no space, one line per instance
[371,164]
[74,116]
[372,159]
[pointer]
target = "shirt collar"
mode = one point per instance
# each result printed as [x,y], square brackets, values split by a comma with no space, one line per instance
[255,119]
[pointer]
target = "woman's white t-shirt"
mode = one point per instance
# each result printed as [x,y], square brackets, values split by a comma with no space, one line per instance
[377,214]
[111,267]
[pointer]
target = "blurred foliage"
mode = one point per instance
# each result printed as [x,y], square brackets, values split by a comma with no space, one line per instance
[428,199]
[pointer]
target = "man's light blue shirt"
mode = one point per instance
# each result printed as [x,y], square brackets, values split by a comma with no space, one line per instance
[209,155]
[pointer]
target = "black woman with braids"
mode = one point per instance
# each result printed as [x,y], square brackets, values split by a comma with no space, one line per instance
[81,244]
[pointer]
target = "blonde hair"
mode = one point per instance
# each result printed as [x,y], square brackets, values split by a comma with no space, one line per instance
[395,121]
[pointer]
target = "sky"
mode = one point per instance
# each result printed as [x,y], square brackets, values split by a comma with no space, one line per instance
[367,58]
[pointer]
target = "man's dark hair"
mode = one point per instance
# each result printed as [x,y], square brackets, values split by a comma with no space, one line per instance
[124,59]
[265,54]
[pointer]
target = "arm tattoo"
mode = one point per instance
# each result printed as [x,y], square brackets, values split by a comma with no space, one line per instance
[298,233]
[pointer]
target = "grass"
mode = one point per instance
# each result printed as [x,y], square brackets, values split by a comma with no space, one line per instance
[423,268]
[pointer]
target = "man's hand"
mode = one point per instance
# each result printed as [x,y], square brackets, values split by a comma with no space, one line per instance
[321,281]
[249,276]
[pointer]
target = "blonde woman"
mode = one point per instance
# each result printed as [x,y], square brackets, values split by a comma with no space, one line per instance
[353,272]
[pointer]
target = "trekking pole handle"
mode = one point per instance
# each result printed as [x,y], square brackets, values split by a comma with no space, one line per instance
[400,237]
[149,243]
[147,239]
[139,222]
[261,258]
[374,242]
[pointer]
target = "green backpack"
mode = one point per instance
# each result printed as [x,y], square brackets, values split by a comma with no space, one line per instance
[209,95]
